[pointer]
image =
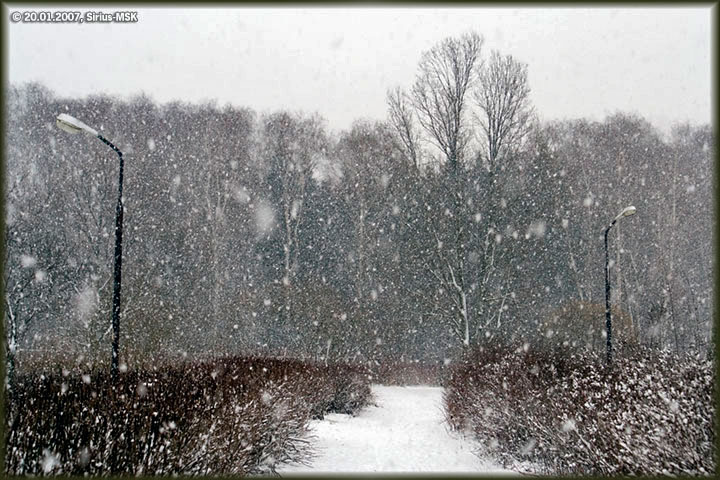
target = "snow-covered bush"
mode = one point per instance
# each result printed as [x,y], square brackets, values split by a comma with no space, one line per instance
[650,413]
[226,416]
[350,392]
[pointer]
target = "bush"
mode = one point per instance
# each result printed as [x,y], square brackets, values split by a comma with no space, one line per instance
[350,392]
[649,414]
[226,416]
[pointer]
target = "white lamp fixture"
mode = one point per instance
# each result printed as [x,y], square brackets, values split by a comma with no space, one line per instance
[627,211]
[72,125]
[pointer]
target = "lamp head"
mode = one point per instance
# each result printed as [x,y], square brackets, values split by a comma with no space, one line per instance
[72,125]
[626,212]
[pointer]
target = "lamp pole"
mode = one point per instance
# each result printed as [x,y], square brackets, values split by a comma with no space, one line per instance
[73,125]
[608,318]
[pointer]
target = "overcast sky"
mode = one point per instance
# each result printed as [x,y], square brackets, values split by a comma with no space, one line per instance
[340,61]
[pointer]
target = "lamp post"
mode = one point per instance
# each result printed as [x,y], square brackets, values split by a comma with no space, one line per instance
[73,125]
[627,211]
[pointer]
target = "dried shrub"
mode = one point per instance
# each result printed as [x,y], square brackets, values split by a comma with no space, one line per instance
[350,392]
[648,414]
[238,415]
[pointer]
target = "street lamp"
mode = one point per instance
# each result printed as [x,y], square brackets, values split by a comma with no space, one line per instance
[627,211]
[73,125]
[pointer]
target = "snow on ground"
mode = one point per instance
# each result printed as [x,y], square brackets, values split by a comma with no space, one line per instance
[404,432]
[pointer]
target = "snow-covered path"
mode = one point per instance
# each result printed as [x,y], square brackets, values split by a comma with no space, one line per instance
[405,432]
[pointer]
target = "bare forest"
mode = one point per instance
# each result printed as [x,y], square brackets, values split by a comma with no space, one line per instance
[462,222]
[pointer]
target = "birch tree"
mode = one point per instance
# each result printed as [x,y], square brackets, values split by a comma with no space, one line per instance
[504,116]
[440,97]
[293,147]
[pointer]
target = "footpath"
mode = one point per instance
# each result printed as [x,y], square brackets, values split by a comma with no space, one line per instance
[404,432]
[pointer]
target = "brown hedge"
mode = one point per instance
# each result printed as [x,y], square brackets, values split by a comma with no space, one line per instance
[650,413]
[238,415]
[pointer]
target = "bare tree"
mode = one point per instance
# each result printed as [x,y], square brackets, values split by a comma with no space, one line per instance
[505,117]
[439,95]
[294,145]
[402,121]
[503,96]
[446,75]
[216,186]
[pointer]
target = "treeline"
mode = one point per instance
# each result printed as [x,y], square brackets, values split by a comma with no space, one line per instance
[461,220]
